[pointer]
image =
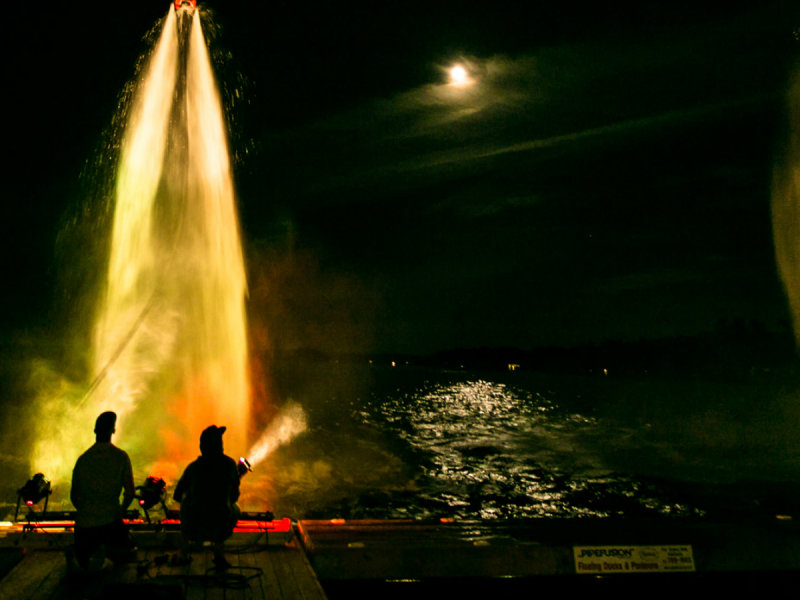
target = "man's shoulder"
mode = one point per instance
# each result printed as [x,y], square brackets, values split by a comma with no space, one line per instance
[213,464]
[193,466]
[118,450]
[91,452]
[103,451]
[231,464]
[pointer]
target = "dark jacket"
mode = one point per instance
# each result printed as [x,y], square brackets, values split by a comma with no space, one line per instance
[208,491]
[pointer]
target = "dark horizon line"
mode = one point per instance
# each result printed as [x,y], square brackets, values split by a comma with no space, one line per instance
[726,348]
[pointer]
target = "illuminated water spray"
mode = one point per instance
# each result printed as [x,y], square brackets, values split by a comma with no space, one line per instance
[169,342]
[786,207]
[170,337]
[169,351]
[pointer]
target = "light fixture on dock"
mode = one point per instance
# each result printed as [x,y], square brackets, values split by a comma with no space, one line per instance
[153,492]
[34,491]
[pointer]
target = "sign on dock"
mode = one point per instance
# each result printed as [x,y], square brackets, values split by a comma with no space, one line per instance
[602,560]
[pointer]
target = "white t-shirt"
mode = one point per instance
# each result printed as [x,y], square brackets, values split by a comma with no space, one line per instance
[97,480]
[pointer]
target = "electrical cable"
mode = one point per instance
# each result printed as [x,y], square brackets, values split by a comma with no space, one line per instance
[233,581]
[214,577]
[253,547]
[32,526]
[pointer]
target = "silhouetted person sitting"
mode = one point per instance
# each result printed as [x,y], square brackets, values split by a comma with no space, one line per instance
[208,491]
[100,474]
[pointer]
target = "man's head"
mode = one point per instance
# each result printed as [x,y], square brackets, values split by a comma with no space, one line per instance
[105,425]
[211,440]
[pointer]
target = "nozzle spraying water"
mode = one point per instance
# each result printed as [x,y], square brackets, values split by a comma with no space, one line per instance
[243,467]
[189,5]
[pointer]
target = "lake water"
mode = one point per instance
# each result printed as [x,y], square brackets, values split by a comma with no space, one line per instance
[413,442]
[410,442]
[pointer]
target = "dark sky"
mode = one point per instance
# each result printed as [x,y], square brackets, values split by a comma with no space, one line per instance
[606,176]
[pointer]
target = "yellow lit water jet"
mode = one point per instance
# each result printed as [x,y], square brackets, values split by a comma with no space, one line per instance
[169,341]
[786,206]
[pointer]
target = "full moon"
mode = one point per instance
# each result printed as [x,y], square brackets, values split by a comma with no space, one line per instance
[459,75]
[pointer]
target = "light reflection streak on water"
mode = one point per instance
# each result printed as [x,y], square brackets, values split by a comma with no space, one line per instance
[495,451]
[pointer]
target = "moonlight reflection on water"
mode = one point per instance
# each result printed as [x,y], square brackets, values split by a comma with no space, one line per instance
[493,450]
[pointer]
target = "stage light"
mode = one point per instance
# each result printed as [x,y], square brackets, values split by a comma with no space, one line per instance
[37,489]
[151,493]
[243,467]
[34,491]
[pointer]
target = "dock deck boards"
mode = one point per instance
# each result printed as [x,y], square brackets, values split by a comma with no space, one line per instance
[258,572]
[398,559]
[35,577]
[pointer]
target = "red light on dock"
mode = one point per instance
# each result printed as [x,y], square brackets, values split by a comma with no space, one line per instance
[338,521]
[248,525]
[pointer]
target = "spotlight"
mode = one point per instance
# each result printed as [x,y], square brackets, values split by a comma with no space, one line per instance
[34,491]
[151,493]
[37,489]
[243,467]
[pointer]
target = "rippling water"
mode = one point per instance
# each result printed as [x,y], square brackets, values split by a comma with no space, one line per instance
[410,442]
[483,445]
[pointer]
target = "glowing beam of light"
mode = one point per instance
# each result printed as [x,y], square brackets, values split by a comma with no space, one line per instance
[121,324]
[288,424]
[132,259]
[786,207]
[214,257]
[170,343]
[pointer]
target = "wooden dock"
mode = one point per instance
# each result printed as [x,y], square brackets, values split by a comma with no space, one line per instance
[432,560]
[260,571]
[423,560]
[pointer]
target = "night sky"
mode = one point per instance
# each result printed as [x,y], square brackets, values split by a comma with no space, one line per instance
[605,177]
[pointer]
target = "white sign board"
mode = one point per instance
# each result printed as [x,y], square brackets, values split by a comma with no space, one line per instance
[603,560]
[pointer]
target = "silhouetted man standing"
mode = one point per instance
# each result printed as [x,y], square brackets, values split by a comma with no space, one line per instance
[100,474]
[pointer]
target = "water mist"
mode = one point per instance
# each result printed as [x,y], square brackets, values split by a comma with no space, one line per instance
[169,351]
[786,206]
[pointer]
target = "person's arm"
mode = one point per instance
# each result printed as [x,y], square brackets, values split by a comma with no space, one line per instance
[75,491]
[234,483]
[128,490]
[180,489]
